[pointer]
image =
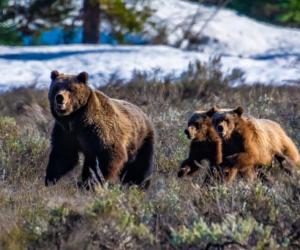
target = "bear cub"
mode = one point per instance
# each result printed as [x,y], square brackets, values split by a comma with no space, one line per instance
[115,136]
[254,142]
[206,144]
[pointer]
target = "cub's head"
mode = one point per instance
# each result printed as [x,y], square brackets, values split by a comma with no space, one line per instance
[225,120]
[68,93]
[198,126]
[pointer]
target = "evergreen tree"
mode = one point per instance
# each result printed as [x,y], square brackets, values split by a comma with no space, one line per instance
[91,21]
[285,12]
[33,16]
[291,12]
[8,33]
[123,18]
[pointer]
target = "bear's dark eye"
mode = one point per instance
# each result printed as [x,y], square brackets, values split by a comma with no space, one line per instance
[70,89]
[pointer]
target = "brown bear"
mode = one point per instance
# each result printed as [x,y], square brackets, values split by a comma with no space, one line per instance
[253,142]
[205,144]
[114,136]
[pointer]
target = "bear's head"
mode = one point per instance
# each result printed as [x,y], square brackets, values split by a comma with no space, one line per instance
[225,120]
[68,93]
[198,126]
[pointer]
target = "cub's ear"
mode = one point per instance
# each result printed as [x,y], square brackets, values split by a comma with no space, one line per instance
[211,112]
[54,74]
[239,111]
[83,77]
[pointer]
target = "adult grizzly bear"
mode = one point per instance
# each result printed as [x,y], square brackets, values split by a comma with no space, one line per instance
[254,142]
[113,135]
[205,144]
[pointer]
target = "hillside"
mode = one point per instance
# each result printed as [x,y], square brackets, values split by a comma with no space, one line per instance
[262,53]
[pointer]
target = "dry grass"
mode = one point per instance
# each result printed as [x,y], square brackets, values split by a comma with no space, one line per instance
[173,213]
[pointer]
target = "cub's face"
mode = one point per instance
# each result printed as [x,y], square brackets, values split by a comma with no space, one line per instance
[197,126]
[68,93]
[225,121]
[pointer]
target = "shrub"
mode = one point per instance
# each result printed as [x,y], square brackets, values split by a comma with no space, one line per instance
[21,154]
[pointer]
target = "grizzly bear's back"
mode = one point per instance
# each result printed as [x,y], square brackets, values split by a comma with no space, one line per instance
[268,139]
[135,122]
[119,120]
[136,117]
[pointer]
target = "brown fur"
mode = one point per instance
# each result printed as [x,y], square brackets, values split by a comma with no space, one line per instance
[254,141]
[205,144]
[114,133]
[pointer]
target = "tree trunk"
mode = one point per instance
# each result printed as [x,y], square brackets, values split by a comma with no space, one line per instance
[91,21]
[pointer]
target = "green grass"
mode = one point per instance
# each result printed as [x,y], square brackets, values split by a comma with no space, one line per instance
[174,213]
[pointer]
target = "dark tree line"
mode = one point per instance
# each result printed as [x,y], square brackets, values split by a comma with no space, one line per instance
[283,12]
[18,19]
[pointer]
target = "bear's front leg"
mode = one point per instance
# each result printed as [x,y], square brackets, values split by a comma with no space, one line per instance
[91,175]
[112,161]
[231,175]
[185,168]
[219,153]
[243,161]
[63,156]
[230,160]
[189,167]
[249,174]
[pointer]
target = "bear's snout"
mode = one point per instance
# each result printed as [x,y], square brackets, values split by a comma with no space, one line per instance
[220,128]
[59,98]
[62,103]
[62,98]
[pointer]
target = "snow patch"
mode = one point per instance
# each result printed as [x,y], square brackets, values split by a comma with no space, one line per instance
[27,65]
[265,53]
[21,66]
[229,32]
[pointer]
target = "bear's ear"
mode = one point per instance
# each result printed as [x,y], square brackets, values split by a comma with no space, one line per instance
[239,111]
[83,77]
[211,112]
[54,74]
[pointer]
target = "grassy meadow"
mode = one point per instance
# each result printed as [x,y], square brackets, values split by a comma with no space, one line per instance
[174,213]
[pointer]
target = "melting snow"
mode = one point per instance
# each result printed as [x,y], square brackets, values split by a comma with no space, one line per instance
[267,54]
